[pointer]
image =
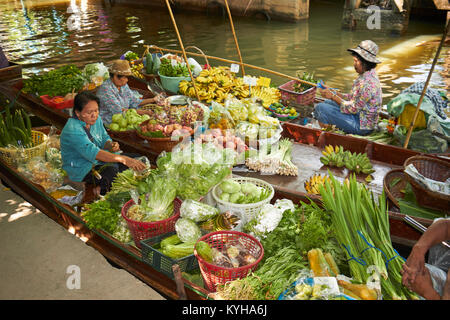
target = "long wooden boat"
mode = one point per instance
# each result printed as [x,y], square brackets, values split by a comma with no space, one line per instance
[308,142]
[129,257]
[13,71]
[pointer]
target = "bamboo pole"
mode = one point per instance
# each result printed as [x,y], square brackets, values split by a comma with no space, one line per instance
[235,38]
[182,48]
[232,61]
[424,90]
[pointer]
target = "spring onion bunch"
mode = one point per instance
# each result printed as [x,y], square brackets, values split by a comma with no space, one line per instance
[278,160]
[361,225]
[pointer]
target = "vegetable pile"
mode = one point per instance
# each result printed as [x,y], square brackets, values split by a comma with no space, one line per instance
[232,191]
[128,121]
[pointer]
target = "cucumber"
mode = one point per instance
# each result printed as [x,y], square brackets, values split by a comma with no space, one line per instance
[148,63]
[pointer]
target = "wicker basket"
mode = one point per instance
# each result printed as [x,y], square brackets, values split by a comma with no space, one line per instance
[434,169]
[394,192]
[163,263]
[289,96]
[247,210]
[127,134]
[11,155]
[214,275]
[159,145]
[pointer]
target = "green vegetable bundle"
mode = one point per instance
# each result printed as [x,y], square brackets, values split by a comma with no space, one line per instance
[178,70]
[269,280]
[361,224]
[15,129]
[57,82]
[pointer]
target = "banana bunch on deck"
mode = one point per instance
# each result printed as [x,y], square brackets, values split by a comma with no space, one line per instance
[313,184]
[215,84]
[337,157]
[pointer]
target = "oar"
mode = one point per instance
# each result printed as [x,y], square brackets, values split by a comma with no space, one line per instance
[424,90]
[182,48]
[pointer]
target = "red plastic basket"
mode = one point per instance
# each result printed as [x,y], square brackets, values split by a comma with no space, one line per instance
[57,105]
[214,275]
[145,230]
[289,96]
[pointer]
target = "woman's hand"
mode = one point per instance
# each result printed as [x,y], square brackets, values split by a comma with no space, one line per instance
[326,93]
[134,164]
[112,146]
[414,266]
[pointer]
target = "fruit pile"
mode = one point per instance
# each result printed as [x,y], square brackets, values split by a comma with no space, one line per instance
[127,122]
[313,184]
[283,111]
[337,157]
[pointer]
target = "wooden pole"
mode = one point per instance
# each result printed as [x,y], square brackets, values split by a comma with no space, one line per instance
[232,61]
[235,38]
[416,113]
[182,48]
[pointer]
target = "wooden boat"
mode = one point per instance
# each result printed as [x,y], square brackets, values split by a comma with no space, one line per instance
[13,71]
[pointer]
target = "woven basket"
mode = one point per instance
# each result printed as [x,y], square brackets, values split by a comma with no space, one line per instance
[146,230]
[394,192]
[247,210]
[11,155]
[159,145]
[128,134]
[289,96]
[214,275]
[434,169]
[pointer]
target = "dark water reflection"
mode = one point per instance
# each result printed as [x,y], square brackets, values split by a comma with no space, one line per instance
[43,35]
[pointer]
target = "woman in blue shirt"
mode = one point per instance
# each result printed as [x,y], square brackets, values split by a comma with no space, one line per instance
[88,153]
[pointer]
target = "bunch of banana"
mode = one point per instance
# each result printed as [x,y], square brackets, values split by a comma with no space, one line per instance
[268,95]
[337,157]
[215,84]
[313,184]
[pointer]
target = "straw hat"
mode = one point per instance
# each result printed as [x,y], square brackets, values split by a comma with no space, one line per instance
[368,50]
[120,67]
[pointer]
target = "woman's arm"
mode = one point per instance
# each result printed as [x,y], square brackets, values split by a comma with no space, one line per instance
[134,164]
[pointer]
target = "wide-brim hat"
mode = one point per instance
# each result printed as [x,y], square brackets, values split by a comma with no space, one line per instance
[368,50]
[120,67]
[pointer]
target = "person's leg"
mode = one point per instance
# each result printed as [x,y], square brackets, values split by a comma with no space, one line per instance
[329,112]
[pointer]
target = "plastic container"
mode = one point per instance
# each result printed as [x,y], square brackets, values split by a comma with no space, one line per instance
[248,211]
[171,83]
[212,274]
[163,263]
[47,100]
[146,230]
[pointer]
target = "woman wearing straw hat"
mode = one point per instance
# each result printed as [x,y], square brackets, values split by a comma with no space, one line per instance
[115,94]
[356,112]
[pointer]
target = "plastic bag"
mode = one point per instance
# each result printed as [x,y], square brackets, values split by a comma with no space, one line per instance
[423,140]
[197,211]
[41,172]
[68,195]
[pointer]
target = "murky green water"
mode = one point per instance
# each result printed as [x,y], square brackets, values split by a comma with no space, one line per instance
[42,35]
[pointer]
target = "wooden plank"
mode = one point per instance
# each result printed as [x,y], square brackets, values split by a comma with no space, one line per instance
[13,71]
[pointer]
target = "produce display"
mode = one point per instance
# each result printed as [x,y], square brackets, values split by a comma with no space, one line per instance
[306,76]
[42,172]
[337,157]
[282,111]
[167,114]
[153,130]
[174,248]
[172,67]
[130,120]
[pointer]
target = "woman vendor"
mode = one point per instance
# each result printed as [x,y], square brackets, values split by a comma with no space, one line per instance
[115,95]
[358,111]
[88,153]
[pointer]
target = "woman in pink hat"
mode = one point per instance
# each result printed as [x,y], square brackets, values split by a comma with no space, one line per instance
[356,112]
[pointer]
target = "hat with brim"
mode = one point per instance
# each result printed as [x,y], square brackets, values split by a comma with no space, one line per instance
[368,50]
[120,67]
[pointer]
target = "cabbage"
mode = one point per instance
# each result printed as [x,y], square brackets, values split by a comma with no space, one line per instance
[249,188]
[187,230]
[230,186]
[235,197]
[225,197]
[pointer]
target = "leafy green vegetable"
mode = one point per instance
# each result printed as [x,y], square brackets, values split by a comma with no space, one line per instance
[178,70]
[57,82]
